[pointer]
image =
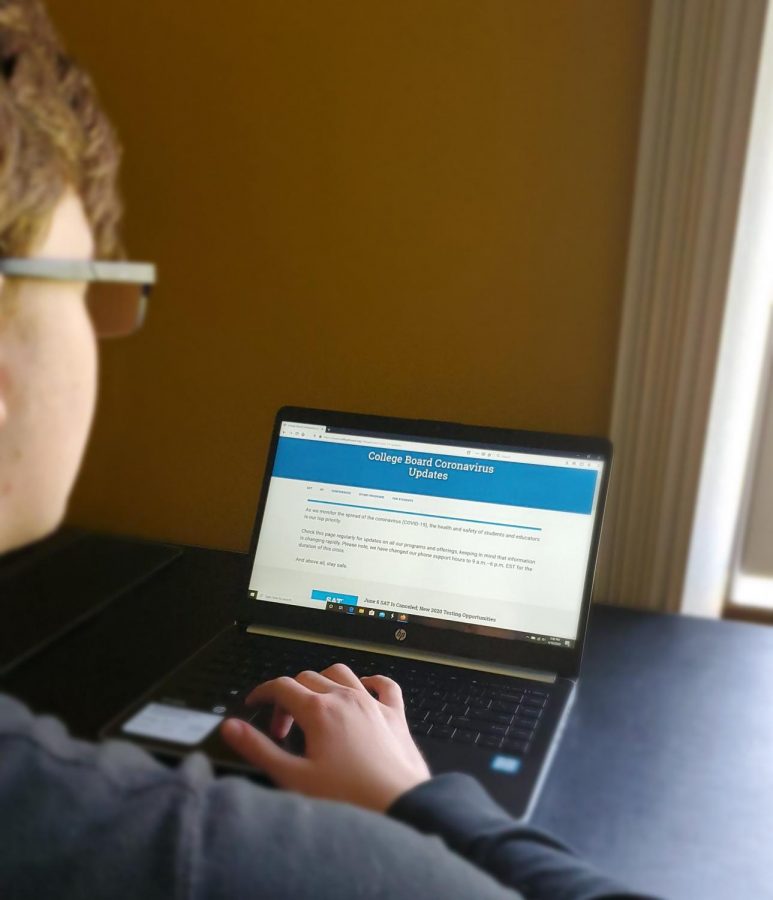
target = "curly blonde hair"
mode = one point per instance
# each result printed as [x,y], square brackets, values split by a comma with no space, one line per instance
[53,135]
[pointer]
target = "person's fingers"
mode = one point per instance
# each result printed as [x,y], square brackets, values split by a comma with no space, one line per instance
[281,723]
[388,691]
[285,692]
[314,681]
[343,675]
[259,750]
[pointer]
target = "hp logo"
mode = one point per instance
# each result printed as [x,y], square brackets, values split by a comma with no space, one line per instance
[401,634]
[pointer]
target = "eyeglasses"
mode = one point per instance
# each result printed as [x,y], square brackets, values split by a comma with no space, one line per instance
[117,292]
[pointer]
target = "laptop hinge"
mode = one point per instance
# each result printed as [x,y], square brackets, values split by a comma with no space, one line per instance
[442,659]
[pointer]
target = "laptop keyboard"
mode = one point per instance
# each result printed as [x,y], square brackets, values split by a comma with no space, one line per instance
[441,702]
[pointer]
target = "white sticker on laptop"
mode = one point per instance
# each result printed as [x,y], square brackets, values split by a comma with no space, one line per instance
[171,723]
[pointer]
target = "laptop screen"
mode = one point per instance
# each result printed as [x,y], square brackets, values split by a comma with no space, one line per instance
[488,539]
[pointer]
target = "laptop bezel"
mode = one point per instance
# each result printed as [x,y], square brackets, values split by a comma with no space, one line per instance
[561,660]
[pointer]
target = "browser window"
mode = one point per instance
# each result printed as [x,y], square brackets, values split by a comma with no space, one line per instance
[494,540]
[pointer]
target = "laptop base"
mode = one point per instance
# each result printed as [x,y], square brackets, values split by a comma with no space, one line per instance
[501,730]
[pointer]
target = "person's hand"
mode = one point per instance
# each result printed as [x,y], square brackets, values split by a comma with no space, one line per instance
[358,747]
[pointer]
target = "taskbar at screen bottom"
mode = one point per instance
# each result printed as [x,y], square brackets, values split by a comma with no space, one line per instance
[468,627]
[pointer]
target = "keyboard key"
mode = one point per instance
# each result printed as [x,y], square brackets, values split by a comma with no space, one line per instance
[536,702]
[463,736]
[456,709]
[421,728]
[515,746]
[517,733]
[491,742]
[441,731]
[490,728]
[510,698]
[465,722]
[439,718]
[477,712]
[522,730]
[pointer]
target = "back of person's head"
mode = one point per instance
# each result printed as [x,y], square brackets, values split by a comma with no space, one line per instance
[53,135]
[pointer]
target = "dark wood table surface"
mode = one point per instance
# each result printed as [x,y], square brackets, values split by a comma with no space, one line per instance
[664,775]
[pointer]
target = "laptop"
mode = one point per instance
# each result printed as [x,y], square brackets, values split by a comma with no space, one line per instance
[456,559]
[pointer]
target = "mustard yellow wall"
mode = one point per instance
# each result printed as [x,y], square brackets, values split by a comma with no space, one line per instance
[413,207]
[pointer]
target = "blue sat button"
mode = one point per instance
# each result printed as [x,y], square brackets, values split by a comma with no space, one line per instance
[333,597]
[508,765]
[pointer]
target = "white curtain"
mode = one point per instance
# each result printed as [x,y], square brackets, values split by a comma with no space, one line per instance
[702,68]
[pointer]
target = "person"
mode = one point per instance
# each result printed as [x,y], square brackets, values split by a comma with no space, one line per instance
[360,814]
